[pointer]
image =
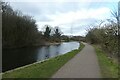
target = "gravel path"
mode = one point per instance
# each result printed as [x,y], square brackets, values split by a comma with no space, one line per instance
[83,65]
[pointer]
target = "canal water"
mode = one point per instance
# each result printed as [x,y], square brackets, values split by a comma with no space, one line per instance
[13,58]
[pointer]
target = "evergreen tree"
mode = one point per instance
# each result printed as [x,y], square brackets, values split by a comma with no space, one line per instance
[47,32]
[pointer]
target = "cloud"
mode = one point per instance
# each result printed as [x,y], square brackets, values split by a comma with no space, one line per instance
[82,16]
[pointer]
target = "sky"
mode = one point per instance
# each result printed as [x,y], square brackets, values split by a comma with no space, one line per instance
[73,17]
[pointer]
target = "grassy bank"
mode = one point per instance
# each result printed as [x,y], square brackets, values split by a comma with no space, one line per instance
[45,69]
[109,67]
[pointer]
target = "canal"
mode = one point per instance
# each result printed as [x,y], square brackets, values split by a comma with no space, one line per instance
[13,58]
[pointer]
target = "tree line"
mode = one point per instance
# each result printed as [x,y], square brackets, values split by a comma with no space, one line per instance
[106,36]
[19,30]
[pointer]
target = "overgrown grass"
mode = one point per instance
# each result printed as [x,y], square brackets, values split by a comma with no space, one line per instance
[109,68]
[45,69]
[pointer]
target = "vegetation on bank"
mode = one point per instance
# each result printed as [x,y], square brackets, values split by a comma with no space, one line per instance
[109,67]
[45,69]
[107,38]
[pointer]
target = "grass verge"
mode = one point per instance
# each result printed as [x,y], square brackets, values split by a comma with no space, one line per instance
[109,68]
[45,69]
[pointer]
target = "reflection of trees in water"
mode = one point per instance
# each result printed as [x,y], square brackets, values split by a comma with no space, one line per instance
[18,57]
[47,53]
[41,53]
[57,49]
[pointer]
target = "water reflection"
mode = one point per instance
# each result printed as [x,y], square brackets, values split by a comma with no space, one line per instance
[20,57]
